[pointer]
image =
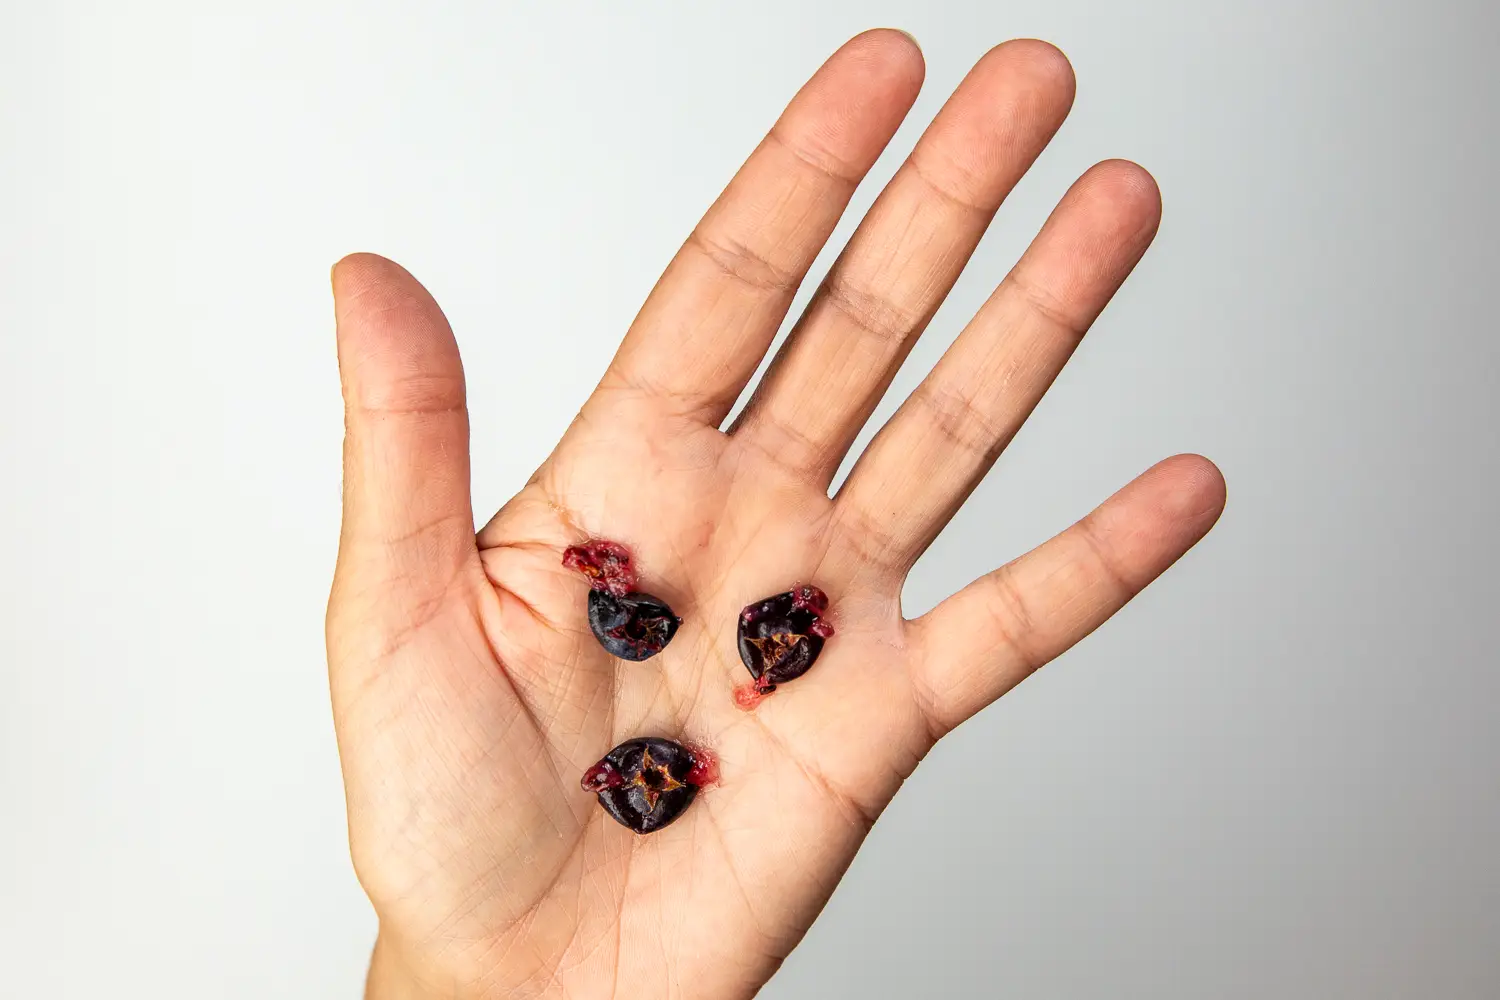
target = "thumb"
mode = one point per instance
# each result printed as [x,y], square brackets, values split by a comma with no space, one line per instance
[408,526]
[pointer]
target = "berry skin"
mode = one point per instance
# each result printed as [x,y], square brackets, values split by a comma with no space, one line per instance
[632,626]
[647,783]
[629,624]
[780,637]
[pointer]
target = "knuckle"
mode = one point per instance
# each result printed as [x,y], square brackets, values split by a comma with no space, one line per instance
[872,313]
[1011,618]
[742,263]
[960,421]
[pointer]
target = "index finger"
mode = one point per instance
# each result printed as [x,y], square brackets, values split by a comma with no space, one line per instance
[713,314]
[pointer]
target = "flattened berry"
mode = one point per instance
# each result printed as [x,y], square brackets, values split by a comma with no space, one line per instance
[647,783]
[630,625]
[781,636]
[633,626]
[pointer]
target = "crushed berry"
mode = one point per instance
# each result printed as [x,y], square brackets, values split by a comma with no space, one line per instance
[780,637]
[647,783]
[630,625]
[607,565]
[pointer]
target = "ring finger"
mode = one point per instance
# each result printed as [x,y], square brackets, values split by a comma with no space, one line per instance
[927,460]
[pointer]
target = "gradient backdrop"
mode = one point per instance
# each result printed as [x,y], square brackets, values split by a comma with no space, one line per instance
[1275,775]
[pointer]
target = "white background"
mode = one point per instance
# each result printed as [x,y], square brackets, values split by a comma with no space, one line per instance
[1274,775]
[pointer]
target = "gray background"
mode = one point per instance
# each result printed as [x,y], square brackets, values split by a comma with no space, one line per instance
[1274,775]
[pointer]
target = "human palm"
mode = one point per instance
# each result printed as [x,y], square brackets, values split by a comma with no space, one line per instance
[469,693]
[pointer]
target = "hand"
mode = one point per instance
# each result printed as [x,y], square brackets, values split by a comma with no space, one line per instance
[468,691]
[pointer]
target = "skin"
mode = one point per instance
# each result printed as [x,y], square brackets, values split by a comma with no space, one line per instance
[468,692]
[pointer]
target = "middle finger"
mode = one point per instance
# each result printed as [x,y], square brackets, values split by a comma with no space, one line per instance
[904,258]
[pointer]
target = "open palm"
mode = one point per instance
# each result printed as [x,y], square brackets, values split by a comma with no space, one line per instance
[469,693]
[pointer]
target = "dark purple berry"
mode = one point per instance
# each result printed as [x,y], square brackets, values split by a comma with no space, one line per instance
[630,625]
[780,637]
[647,783]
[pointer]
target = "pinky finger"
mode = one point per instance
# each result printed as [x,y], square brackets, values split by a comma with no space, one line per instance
[987,638]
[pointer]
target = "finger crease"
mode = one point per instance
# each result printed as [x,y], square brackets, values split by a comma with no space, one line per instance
[830,166]
[961,421]
[423,612]
[872,313]
[414,410]
[854,813]
[1012,619]
[1124,590]
[793,450]
[1044,305]
[872,542]
[427,528]
[740,262]
[946,193]
[927,702]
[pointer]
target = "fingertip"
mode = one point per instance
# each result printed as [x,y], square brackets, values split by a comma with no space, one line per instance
[371,291]
[356,271]
[998,121]
[843,117]
[1039,62]
[1196,491]
[1045,56]
[893,46]
[910,38]
[890,55]
[396,350]
[1127,181]
[1122,202]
